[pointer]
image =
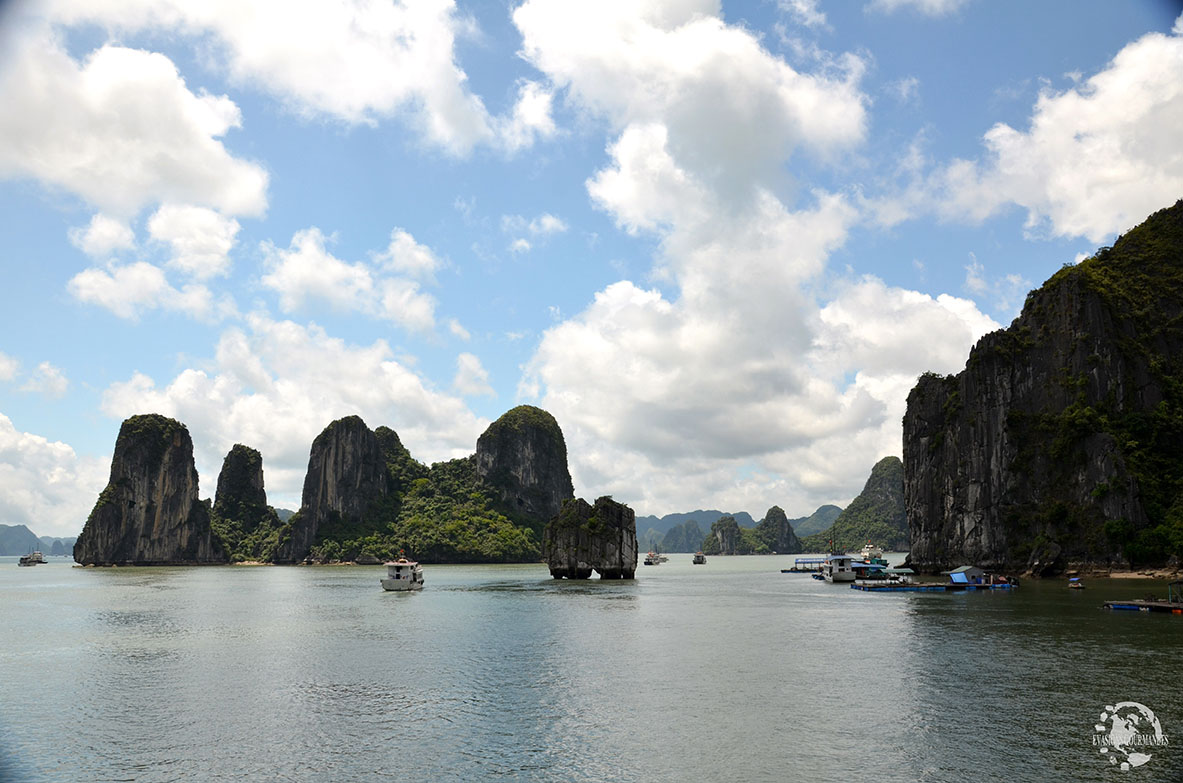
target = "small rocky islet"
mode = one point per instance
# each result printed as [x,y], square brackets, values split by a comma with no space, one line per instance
[1060,445]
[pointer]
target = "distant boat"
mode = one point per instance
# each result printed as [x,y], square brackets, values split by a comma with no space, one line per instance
[31,559]
[652,558]
[403,574]
[1075,583]
[699,558]
[872,554]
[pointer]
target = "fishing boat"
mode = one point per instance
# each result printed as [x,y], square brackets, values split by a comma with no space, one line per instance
[403,574]
[31,559]
[1075,584]
[838,568]
[699,558]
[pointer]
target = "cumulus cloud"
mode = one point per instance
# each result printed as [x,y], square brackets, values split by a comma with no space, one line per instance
[44,485]
[121,130]
[358,61]
[48,381]
[748,384]
[274,385]
[200,239]
[128,290]
[1095,159]
[102,236]
[406,256]
[531,119]
[472,380]
[306,272]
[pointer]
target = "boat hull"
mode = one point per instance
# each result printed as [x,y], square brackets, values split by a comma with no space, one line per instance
[841,576]
[400,585]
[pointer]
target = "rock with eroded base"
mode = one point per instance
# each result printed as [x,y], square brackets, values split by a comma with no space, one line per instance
[583,538]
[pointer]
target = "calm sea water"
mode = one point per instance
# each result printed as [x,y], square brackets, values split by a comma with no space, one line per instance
[727,671]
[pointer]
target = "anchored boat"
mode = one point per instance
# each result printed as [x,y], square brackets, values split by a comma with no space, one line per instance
[403,574]
[838,568]
[31,559]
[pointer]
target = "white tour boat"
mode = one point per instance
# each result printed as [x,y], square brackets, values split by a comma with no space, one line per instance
[403,574]
[699,558]
[837,568]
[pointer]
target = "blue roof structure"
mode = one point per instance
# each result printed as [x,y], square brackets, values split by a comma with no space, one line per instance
[958,578]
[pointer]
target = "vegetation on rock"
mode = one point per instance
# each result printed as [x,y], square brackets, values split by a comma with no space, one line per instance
[875,516]
[1062,440]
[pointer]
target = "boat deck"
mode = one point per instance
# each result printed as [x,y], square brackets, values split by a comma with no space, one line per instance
[1172,607]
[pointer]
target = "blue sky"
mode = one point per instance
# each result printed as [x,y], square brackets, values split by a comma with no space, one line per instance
[717,241]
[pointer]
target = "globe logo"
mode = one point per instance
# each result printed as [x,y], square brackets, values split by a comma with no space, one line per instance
[1126,733]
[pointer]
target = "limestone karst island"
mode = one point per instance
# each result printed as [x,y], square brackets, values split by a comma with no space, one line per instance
[1060,445]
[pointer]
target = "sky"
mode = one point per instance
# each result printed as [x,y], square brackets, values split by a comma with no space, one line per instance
[717,241]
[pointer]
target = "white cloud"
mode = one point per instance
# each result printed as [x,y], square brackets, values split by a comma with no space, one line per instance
[200,239]
[1096,159]
[102,236]
[407,256]
[458,330]
[732,111]
[520,245]
[804,12]
[358,61]
[276,384]
[127,290]
[9,367]
[307,272]
[44,485]
[531,119]
[471,379]
[121,130]
[48,381]
[926,7]
[905,90]
[742,386]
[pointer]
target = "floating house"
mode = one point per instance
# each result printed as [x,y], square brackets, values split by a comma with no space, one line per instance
[966,575]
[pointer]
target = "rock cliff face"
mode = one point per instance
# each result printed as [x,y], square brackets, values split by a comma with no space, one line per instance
[240,494]
[686,537]
[346,473]
[1062,440]
[724,538]
[240,514]
[776,533]
[522,459]
[149,513]
[876,516]
[583,537]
